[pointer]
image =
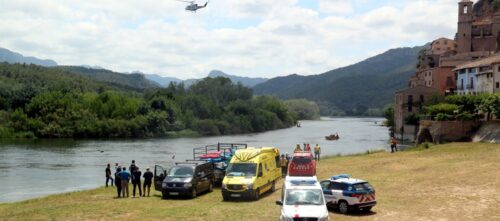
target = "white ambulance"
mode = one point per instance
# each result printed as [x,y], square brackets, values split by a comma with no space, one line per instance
[302,199]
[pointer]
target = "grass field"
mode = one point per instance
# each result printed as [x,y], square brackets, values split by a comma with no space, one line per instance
[459,181]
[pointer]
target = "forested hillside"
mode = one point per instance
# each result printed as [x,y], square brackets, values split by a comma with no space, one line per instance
[50,102]
[132,81]
[359,89]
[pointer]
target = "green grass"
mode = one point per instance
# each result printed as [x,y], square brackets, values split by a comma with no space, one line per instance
[458,181]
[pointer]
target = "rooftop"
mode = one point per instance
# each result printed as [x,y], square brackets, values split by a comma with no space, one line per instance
[480,62]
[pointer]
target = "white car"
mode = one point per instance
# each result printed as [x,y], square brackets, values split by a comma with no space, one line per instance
[302,199]
[347,194]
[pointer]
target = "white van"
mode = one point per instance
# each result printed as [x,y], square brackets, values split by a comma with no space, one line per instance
[302,199]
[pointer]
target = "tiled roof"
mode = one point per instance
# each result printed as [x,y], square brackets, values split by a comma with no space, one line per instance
[480,62]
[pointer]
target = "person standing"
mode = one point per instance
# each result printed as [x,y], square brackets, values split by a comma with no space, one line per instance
[148,181]
[297,148]
[307,148]
[132,169]
[317,152]
[283,163]
[108,175]
[394,145]
[118,181]
[136,181]
[125,178]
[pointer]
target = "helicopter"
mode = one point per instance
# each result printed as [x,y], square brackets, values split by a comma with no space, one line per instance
[193,6]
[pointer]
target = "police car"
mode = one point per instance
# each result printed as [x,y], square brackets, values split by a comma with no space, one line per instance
[302,199]
[346,193]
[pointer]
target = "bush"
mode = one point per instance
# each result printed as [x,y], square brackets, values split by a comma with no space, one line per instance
[443,117]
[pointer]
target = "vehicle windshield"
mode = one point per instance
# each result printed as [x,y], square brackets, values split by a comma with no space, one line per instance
[181,172]
[363,187]
[304,197]
[301,160]
[242,169]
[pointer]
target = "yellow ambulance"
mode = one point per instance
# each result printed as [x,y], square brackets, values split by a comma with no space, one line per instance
[251,172]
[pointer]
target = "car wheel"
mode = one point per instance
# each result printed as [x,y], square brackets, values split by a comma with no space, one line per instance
[193,193]
[343,207]
[256,195]
[225,197]
[211,188]
[367,209]
[273,188]
[164,196]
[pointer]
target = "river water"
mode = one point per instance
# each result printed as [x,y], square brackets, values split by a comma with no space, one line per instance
[30,169]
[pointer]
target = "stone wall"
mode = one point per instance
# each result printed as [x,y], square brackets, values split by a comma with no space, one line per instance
[446,131]
[489,132]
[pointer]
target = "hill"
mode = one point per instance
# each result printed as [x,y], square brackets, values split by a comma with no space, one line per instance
[133,81]
[351,90]
[13,58]
[163,81]
[64,102]
[247,81]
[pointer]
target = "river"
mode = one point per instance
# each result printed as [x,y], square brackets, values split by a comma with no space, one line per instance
[30,169]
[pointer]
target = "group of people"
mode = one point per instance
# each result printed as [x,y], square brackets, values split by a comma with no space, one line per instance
[307,147]
[122,178]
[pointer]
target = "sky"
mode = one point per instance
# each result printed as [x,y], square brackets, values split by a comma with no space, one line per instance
[254,38]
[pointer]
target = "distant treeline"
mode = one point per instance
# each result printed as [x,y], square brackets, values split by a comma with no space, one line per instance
[51,102]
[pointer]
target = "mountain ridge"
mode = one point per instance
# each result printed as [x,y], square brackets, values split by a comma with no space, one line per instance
[353,89]
[12,57]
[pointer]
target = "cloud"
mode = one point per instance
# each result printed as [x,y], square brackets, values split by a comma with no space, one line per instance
[246,37]
[336,6]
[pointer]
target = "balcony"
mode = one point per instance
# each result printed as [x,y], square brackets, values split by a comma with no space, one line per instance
[460,88]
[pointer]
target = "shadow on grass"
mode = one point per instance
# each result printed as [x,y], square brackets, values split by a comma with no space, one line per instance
[246,200]
[179,197]
[359,213]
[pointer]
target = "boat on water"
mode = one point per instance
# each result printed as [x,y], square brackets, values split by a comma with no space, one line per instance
[332,137]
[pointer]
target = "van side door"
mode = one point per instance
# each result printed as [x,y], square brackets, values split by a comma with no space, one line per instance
[159,176]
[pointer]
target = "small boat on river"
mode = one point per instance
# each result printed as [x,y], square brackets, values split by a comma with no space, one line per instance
[332,137]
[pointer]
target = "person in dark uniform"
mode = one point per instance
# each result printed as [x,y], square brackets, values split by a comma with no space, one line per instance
[118,181]
[136,181]
[108,175]
[148,181]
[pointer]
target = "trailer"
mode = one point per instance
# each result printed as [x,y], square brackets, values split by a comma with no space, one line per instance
[219,154]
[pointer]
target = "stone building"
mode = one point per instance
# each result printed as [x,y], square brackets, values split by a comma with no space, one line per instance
[410,101]
[477,38]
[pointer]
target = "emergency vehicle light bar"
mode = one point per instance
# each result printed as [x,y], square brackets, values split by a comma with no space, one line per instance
[340,176]
[303,182]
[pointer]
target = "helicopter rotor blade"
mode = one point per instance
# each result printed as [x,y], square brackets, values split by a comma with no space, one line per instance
[191,2]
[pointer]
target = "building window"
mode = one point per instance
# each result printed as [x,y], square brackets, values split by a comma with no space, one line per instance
[498,84]
[410,103]
[471,83]
[449,81]
[466,10]
[499,68]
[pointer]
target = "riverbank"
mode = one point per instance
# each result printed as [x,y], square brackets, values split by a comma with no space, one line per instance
[445,182]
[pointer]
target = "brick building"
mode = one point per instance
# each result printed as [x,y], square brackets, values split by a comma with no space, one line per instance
[477,38]
[410,101]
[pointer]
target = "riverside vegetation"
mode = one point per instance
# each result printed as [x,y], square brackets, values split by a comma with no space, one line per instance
[45,102]
[445,182]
